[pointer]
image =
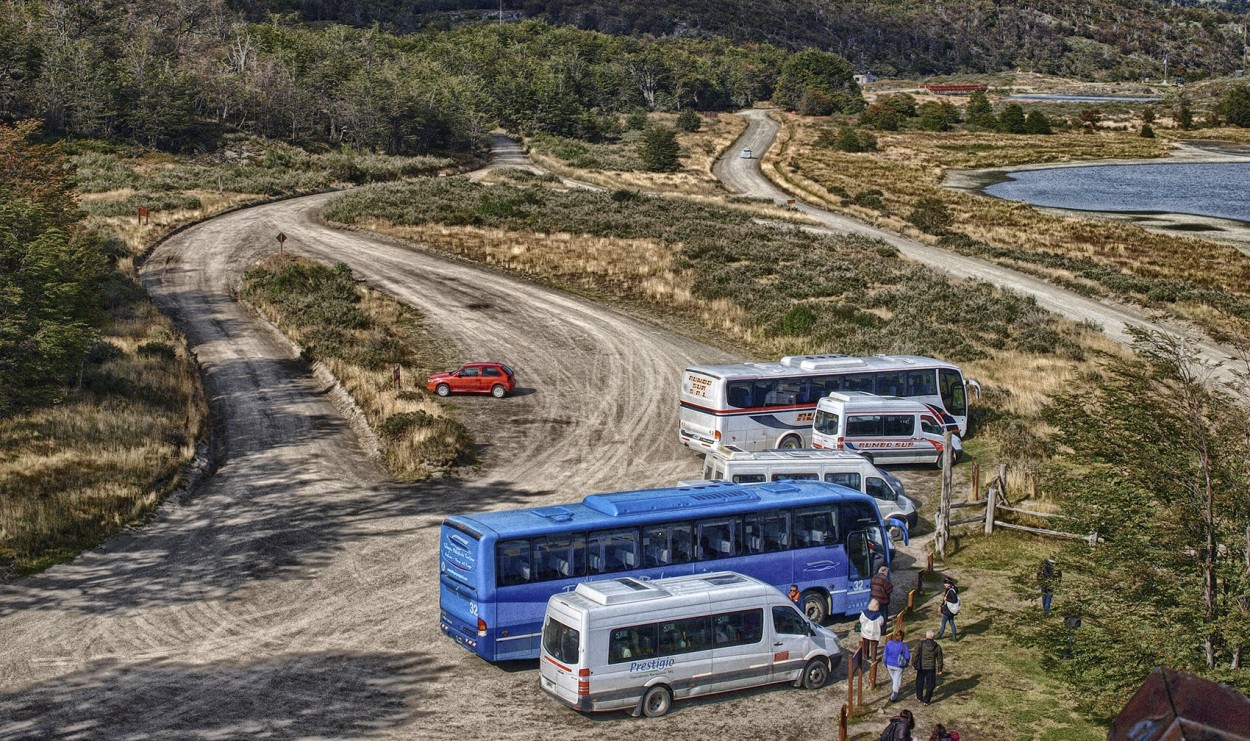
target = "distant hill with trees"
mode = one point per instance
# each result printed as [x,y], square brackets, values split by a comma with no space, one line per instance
[1098,39]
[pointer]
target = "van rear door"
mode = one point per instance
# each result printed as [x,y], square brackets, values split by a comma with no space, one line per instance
[560,668]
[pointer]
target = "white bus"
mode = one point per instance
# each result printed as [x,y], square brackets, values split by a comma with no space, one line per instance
[758,406]
[626,644]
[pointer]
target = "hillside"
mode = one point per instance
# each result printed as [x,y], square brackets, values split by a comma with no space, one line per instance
[1101,39]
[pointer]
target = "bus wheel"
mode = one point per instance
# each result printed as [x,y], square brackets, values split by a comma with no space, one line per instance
[815,607]
[657,701]
[815,674]
[790,442]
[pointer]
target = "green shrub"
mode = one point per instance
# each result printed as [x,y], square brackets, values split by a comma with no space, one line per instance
[798,321]
[162,351]
[930,215]
[689,121]
[1147,131]
[659,150]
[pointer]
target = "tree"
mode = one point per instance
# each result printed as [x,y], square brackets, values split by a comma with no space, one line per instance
[880,115]
[821,73]
[688,121]
[1148,115]
[1235,106]
[659,150]
[1147,131]
[1037,123]
[50,269]
[1012,119]
[979,113]
[933,117]
[1184,113]
[1162,481]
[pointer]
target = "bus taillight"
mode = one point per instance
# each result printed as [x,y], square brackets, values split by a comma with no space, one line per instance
[481,627]
[583,682]
[716,434]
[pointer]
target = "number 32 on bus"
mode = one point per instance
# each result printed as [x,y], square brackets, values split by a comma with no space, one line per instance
[498,569]
[758,406]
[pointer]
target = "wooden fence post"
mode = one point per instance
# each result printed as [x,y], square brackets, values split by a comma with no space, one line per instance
[1002,482]
[943,518]
[842,724]
[974,492]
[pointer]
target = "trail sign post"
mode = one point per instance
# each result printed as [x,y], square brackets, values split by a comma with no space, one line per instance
[281,241]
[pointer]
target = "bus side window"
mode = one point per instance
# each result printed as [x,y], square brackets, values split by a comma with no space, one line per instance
[891,384]
[513,565]
[899,425]
[749,478]
[559,557]
[665,545]
[920,383]
[858,382]
[796,477]
[767,532]
[814,527]
[850,480]
[609,551]
[738,394]
[719,538]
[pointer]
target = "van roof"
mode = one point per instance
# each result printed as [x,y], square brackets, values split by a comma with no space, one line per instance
[789,455]
[805,365]
[627,590]
[862,401]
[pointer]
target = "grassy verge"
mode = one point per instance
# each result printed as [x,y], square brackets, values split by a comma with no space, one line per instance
[1205,282]
[359,335]
[99,462]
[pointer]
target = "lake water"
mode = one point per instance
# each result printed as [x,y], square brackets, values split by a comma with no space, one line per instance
[1220,189]
[1039,97]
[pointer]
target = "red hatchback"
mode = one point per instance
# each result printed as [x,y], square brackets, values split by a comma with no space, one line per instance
[495,379]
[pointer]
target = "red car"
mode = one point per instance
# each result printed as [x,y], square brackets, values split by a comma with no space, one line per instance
[495,379]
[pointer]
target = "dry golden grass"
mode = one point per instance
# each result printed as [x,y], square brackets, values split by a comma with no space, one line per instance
[411,452]
[699,150]
[910,166]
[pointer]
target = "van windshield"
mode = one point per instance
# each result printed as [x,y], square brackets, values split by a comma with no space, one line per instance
[560,641]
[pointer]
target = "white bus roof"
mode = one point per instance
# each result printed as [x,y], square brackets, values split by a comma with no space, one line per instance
[820,455]
[806,365]
[626,590]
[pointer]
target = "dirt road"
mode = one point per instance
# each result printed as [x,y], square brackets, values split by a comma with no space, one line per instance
[744,176]
[295,594]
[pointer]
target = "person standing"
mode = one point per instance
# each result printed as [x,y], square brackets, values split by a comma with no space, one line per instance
[927,661]
[870,624]
[950,608]
[897,656]
[1048,575]
[882,587]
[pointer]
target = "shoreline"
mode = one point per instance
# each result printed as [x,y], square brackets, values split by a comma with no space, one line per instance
[1230,232]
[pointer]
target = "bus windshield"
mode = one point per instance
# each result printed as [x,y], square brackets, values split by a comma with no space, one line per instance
[954,399]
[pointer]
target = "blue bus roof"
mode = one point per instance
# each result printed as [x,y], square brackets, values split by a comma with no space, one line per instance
[628,508]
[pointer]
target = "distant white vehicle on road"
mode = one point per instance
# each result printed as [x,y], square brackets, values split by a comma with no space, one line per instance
[746,154]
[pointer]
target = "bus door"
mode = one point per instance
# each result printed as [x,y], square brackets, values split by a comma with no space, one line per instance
[863,552]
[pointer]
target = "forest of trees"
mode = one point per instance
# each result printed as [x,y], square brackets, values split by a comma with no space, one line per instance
[176,74]
[1109,39]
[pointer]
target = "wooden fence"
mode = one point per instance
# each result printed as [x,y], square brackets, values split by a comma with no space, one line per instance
[995,502]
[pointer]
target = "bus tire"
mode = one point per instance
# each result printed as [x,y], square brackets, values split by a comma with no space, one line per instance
[498,391]
[790,442]
[657,701]
[442,389]
[815,606]
[815,674]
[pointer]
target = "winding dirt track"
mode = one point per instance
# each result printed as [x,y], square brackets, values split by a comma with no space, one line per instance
[295,593]
[744,176]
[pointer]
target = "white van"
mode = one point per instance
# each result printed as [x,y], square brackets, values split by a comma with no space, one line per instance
[730,463]
[638,645]
[883,429]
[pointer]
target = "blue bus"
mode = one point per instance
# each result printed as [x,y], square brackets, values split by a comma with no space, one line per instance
[498,569]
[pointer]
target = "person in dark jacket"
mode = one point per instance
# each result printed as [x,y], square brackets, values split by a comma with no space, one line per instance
[927,662]
[881,589]
[1048,575]
[950,606]
[900,727]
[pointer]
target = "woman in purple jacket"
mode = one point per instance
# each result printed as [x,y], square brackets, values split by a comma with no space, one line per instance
[897,656]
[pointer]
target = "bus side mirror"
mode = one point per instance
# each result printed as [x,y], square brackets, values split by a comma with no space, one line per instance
[897,525]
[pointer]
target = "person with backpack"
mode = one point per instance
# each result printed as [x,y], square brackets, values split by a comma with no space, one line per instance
[927,661]
[881,589]
[897,657]
[900,727]
[1048,575]
[950,607]
[871,625]
[941,734]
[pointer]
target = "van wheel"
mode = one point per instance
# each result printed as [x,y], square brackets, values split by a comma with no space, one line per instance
[498,391]
[815,607]
[442,389]
[815,674]
[657,701]
[790,442]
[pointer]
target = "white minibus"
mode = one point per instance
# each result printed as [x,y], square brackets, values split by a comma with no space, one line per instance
[630,644]
[883,429]
[730,463]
